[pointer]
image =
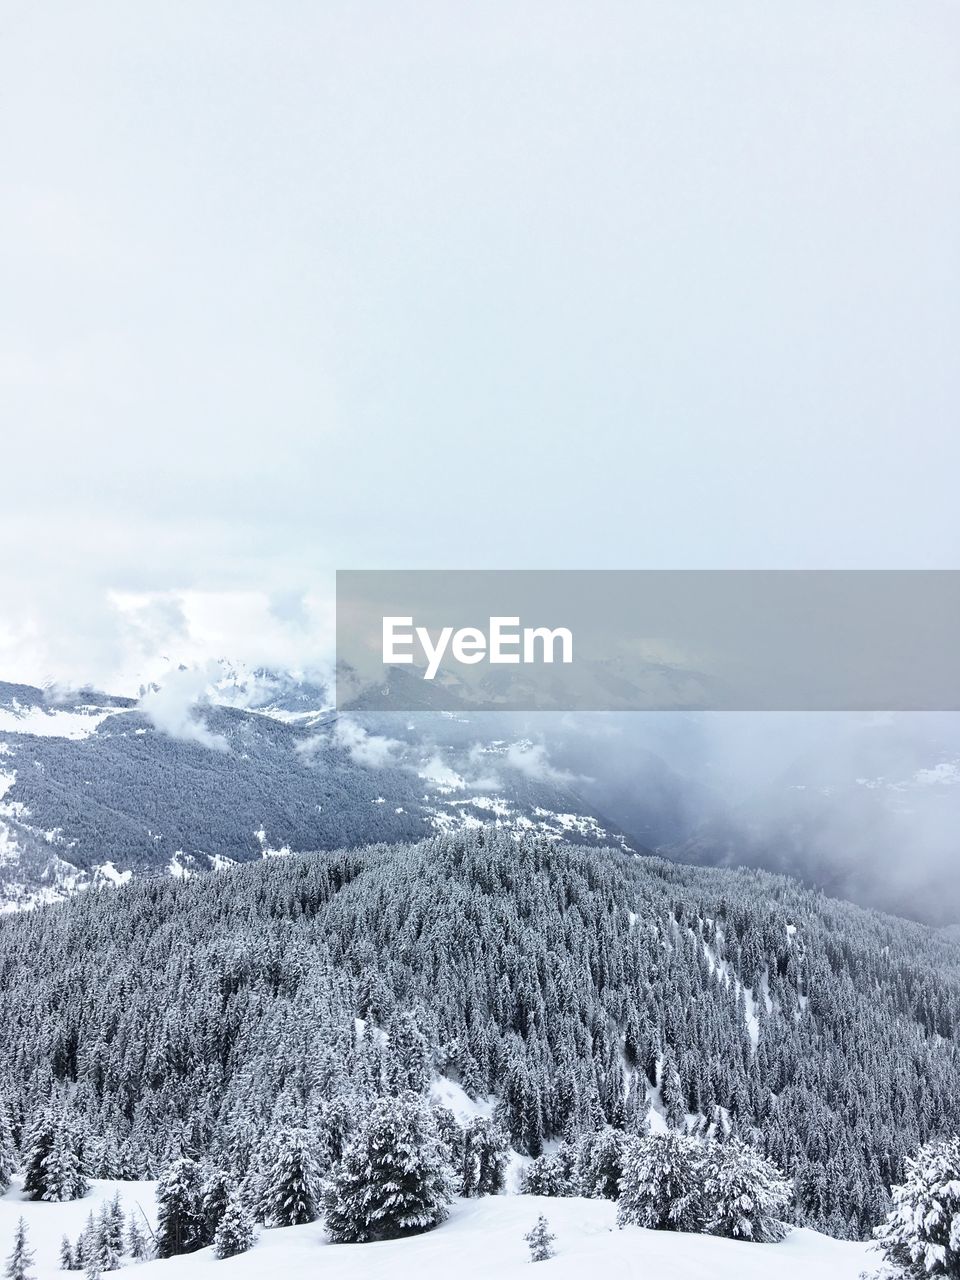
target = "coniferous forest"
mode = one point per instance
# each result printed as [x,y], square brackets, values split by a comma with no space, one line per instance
[254,1020]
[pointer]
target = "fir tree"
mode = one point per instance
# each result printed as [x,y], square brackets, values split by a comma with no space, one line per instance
[746,1195]
[8,1153]
[218,1188]
[600,1164]
[20,1260]
[921,1234]
[541,1240]
[66,1254]
[235,1231]
[136,1242]
[180,1227]
[408,1063]
[290,1189]
[483,1159]
[392,1181]
[61,1177]
[662,1185]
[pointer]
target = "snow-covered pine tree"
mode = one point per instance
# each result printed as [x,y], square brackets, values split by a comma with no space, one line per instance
[541,1240]
[484,1158]
[235,1231]
[21,1258]
[179,1209]
[451,1137]
[921,1235]
[37,1146]
[552,1175]
[745,1194]
[66,1254]
[290,1190]
[392,1181]
[662,1183]
[600,1163]
[407,1058]
[8,1152]
[218,1187]
[137,1246]
[61,1175]
[103,1245]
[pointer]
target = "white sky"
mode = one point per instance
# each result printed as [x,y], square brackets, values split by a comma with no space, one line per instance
[291,287]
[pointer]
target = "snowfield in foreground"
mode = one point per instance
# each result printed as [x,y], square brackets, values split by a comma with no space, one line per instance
[482,1238]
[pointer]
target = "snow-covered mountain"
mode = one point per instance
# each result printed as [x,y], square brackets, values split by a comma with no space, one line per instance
[227,764]
[94,788]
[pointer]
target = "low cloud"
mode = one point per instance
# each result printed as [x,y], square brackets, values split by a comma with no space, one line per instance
[372,750]
[530,759]
[173,707]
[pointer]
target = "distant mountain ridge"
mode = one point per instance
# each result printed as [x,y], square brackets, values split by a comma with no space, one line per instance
[92,789]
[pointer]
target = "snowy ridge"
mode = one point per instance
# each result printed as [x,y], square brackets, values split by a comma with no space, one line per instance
[481,1238]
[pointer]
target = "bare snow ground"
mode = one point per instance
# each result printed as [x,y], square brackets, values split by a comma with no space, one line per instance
[482,1238]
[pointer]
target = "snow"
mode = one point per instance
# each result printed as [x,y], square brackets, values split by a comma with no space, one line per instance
[43,722]
[107,871]
[47,1223]
[450,1095]
[481,1238]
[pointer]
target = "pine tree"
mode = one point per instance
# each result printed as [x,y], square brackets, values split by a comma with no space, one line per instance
[662,1185]
[484,1158]
[541,1240]
[600,1164]
[66,1254]
[180,1227]
[921,1234]
[235,1231]
[102,1247]
[392,1181]
[218,1188]
[408,1063]
[21,1258]
[60,1169]
[290,1189]
[8,1152]
[746,1194]
[136,1242]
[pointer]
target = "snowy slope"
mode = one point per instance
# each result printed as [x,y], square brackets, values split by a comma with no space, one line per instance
[482,1238]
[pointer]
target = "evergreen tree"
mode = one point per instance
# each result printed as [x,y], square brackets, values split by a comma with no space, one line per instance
[61,1176]
[408,1063]
[662,1186]
[392,1181]
[746,1195]
[541,1240]
[600,1163]
[235,1231]
[137,1245]
[484,1158]
[217,1190]
[290,1189]
[20,1260]
[8,1152]
[180,1226]
[921,1234]
[66,1254]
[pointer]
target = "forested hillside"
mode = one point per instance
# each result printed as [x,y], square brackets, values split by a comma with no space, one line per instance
[580,987]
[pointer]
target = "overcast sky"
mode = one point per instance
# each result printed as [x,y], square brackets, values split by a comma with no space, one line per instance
[292,287]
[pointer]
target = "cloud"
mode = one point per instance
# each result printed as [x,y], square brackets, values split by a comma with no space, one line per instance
[530,759]
[172,707]
[372,750]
